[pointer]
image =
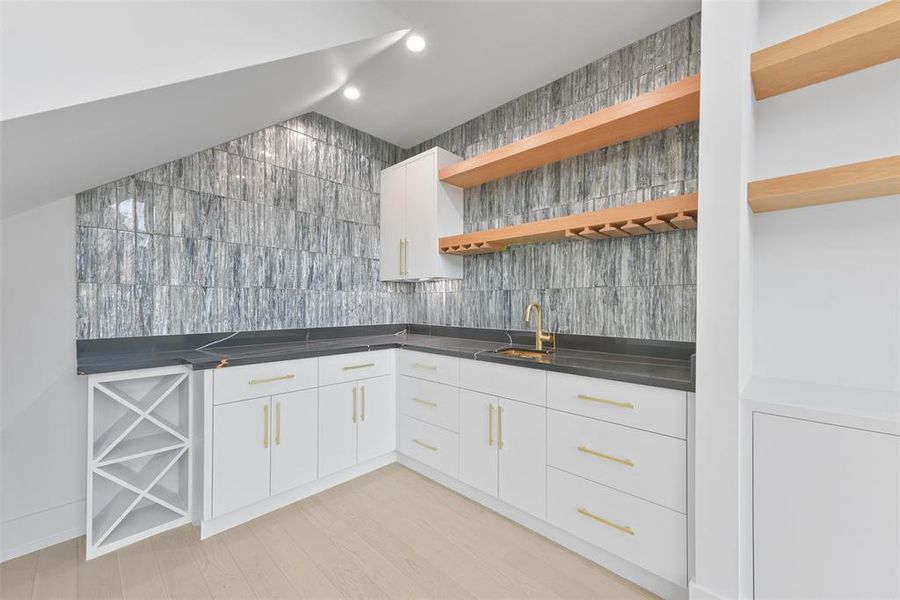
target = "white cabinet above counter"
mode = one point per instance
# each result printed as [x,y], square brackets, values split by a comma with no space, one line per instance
[416,210]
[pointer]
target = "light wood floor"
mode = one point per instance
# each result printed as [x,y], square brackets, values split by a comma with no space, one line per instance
[389,534]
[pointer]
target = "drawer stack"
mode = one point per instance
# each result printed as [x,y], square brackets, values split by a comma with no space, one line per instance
[617,469]
[428,399]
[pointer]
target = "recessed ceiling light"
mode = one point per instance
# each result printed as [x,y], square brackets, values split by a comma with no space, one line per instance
[351,93]
[416,43]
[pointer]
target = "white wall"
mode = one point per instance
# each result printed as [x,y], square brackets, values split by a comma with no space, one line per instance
[724,283]
[43,408]
[827,278]
[810,294]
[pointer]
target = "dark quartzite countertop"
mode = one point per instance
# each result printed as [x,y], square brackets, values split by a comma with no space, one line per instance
[661,364]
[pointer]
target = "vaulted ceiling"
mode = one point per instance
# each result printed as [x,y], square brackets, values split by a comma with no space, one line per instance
[93,91]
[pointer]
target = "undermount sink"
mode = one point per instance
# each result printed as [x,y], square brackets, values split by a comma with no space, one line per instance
[529,353]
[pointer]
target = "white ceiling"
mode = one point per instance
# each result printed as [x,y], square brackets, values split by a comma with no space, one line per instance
[93,91]
[480,55]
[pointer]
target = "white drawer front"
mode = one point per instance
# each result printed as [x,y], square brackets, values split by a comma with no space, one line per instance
[643,533]
[648,465]
[350,367]
[516,383]
[642,406]
[436,447]
[431,402]
[434,367]
[264,379]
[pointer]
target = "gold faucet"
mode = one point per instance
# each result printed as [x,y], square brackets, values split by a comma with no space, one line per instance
[539,336]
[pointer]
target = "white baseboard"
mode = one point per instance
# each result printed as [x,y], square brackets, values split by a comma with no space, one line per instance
[41,529]
[216,525]
[647,580]
[698,592]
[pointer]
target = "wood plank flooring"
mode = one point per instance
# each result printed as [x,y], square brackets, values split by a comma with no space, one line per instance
[389,534]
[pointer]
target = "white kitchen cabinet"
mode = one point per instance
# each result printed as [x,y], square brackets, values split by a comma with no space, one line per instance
[502,449]
[294,439]
[242,434]
[338,415]
[262,447]
[357,422]
[826,522]
[478,458]
[522,448]
[416,210]
[376,432]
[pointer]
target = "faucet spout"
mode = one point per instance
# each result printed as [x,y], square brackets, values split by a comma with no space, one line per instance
[539,336]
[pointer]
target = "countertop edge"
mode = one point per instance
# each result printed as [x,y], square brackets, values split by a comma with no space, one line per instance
[663,382]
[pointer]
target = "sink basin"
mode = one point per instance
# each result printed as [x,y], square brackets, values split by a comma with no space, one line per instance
[529,353]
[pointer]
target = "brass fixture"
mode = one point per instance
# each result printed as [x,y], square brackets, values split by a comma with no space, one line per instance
[539,336]
[522,353]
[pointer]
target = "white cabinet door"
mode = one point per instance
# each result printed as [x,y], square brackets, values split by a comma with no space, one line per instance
[826,522]
[338,414]
[294,439]
[522,433]
[478,441]
[377,428]
[421,236]
[241,440]
[393,222]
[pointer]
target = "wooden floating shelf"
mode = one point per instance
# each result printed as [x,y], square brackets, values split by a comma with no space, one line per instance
[857,42]
[868,179]
[654,111]
[655,216]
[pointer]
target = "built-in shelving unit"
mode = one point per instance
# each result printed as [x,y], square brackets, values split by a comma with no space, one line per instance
[139,456]
[880,177]
[857,42]
[654,111]
[655,216]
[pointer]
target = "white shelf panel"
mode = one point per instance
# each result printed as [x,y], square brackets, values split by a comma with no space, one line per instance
[115,433]
[145,517]
[113,512]
[148,400]
[148,474]
[142,446]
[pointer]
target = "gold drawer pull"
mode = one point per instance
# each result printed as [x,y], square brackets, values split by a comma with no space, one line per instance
[278,423]
[421,366]
[490,424]
[425,402]
[355,407]
[271,379]
[500,427]
[266,425]
[424,445]
[624,461]
[605,401]
[363,366]
[622,528]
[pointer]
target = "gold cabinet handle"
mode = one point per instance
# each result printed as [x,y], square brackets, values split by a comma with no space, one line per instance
[622,528]
[622,461]
[400,256]
[424,366]
[362,412]
[425,402]
[362,366]
[406,256]
[490,424]
[424,445]
[500,427]
[355,408]
[278,423]
[265,425]
[271,379]
[605,401]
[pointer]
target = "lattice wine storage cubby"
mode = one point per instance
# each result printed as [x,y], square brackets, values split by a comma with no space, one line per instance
[139,456]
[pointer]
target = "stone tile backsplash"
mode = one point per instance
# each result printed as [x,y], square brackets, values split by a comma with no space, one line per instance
[279,228]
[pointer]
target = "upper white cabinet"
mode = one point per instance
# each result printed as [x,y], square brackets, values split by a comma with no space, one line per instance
[416,210]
